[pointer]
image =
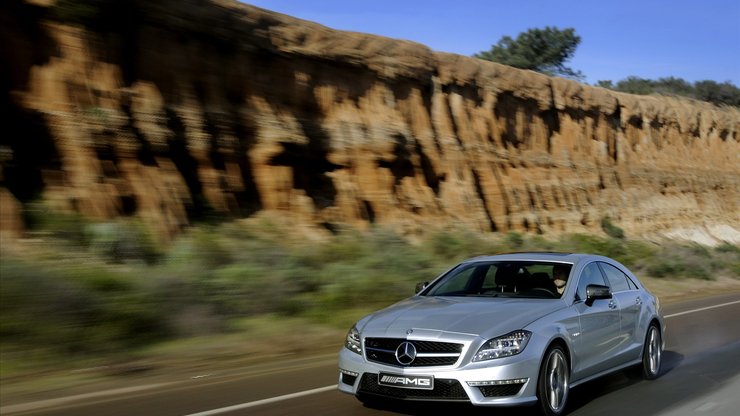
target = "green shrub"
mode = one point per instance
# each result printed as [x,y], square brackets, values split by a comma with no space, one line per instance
[539,243]
[445,245]
[726,258]
[123,241]
[345,246]
[75,309]
[246,289]
[674,268]
[41,219]
[610,229]
[726,247]
[681,261]
[514,241]
[203,250]
[457,245]
[581,243]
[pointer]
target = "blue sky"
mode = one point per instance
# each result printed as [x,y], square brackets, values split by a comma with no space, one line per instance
[693,40]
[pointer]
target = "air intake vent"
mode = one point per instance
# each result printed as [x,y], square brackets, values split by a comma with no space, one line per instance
[444,389]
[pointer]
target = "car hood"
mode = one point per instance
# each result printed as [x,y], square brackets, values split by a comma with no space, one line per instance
[485,317]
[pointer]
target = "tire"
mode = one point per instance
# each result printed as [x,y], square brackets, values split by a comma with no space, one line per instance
[652,353]
[553,383]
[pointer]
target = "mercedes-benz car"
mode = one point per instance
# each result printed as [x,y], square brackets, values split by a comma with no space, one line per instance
[504,330]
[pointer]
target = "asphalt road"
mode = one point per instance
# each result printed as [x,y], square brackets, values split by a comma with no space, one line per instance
[701,375]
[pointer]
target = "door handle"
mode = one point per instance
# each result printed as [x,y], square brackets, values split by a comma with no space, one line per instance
[638,301]
[612,305]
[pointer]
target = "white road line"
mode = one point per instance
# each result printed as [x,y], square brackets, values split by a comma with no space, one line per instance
[265,401]
[25,407]
[700,309]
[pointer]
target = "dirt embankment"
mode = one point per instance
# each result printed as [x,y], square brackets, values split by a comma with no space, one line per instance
[177,110]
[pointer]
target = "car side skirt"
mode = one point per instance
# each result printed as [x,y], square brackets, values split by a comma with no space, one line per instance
[606,372]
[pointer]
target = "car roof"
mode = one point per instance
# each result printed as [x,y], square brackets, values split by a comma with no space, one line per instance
[552,256]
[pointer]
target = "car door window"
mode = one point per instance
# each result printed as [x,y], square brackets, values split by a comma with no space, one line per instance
[591,275]
[457,283]
[617,280]
[632,284]
[489,282]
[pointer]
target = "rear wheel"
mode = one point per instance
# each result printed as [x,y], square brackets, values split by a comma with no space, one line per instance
[553,384]
[652,353]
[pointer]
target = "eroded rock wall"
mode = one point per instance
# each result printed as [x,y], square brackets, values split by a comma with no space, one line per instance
[186,109]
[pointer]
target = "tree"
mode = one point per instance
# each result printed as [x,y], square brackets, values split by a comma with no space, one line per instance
[635,85]
[711,91]
[724,93]
[673,86]
[542,50]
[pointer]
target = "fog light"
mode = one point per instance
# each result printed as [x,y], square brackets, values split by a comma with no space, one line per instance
[497,382]
[348,377]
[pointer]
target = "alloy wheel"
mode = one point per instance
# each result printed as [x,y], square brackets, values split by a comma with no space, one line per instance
[556,380]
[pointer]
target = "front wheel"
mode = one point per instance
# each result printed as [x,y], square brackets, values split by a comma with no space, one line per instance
[553,384]
[652,353]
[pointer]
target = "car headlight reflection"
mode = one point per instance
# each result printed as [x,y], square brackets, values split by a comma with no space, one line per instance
[353,341]
[503,346]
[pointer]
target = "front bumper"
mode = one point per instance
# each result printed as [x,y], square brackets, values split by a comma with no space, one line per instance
[506,381]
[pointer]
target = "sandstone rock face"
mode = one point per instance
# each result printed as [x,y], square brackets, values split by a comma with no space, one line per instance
[198,108]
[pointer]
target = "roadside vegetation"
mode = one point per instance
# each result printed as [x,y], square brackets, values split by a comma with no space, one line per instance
[724,93]
[79,289]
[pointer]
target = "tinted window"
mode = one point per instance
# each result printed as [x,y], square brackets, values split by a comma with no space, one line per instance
[591,275]
[457,281]
[531,279]
[617,280]
[489,282]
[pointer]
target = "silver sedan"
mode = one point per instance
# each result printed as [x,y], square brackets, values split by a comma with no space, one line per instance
[510,329]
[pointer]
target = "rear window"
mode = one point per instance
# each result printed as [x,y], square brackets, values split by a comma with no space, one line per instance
[617,280]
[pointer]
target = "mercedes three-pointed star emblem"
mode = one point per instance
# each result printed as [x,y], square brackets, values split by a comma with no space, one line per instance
[405,353]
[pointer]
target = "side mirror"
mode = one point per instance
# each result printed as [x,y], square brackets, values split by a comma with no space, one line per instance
[421,286]
[594,292]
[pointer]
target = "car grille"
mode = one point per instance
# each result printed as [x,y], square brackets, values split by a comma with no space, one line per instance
[444,389]
[501,391]
[428,353]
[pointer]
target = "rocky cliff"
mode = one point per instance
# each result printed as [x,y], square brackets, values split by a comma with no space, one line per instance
[176,110]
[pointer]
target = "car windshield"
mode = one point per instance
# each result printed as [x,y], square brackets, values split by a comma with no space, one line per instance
[527,279]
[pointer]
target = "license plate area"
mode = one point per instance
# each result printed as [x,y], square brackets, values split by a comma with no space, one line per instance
[406,381]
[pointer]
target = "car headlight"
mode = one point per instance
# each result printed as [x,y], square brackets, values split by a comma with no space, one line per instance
[353,341]
[503,346]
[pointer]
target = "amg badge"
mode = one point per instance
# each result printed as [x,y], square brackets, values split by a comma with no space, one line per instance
[406,381]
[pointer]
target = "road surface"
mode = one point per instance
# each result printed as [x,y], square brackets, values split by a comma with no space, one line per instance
[701,375]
